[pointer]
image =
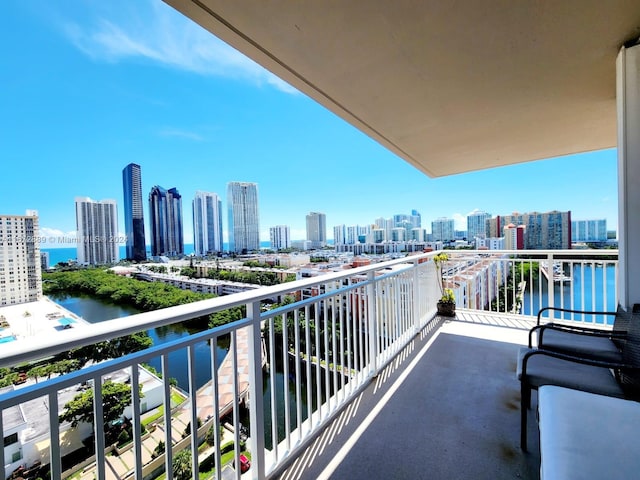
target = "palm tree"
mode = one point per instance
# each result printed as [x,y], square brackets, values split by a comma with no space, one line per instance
[182,465]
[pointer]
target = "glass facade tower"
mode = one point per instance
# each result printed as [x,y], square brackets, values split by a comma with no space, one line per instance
[136,249]
[207,223]
[165,210]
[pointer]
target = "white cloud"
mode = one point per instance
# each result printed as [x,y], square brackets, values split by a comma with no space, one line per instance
[56,238]
[155,32]
[459,221]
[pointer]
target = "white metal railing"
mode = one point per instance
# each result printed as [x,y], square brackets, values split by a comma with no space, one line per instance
[524,282]
[321,350]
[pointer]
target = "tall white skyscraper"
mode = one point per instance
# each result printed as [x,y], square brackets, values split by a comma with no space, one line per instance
[244,221]
[207,223]
[97,226]
[442,229]
[317,229]
[340,234]
[477,225]
[280,237]
[20,259]
[387,224]
[351,237]
[416,219]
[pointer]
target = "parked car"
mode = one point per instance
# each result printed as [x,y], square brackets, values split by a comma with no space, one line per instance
[245,464]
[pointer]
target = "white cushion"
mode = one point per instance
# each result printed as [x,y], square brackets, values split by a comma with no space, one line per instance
[587,436]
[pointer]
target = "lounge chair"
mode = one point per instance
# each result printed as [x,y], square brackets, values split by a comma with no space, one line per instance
[538,367]
[582,341]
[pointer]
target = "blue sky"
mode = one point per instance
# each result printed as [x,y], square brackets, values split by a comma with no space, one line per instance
[88,87]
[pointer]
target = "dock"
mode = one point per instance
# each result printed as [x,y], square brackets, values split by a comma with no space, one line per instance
[558,273]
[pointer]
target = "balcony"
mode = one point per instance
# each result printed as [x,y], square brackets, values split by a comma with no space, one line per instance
[365,381]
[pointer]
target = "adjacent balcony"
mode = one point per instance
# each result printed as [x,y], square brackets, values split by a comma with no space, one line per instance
[352,375]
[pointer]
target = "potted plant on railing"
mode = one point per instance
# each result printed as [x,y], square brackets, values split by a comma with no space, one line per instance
[447,302]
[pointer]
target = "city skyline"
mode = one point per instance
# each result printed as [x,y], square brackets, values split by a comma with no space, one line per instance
[200,120]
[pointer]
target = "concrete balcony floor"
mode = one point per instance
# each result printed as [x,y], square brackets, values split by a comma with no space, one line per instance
[446,408]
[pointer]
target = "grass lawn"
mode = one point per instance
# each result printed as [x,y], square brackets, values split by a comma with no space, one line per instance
[176,399]
[225,459]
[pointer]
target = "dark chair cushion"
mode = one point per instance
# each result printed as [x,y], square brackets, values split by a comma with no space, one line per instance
[546,370]
[585,346]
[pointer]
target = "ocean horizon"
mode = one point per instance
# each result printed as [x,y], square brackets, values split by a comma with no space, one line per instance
[57,255]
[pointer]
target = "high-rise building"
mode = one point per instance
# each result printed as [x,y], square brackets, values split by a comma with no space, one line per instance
[317,229]
[136,248]
[442,230]
[589,230]
[340,234]
[20,274]
[378,235]
[207,223]
[44,260]
[514,237]
[280,237]
[400,219]
[477,225]
[244,221]
[416,219]
[544,231]
[352,232]
[398,234]
[418,235]
[97,226]
[165,212]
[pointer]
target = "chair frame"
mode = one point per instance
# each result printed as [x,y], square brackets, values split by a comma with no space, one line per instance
[577,329]
[526,388]
[627,368]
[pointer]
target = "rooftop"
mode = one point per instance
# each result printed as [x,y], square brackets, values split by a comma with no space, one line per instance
[36,319]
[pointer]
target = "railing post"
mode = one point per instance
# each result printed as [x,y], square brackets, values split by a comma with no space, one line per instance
[372,327]
[550,296]
[417,313]
[256,402]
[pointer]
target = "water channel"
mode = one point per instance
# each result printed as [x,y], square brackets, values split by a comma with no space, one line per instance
[96,310]
[591,287]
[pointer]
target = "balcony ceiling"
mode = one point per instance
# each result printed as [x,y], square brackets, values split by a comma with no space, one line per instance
[449,86]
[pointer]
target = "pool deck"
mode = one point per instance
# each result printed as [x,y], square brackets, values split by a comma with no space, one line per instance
[36,319]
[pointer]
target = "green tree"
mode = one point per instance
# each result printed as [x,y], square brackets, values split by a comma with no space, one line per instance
[115,397]
[159,450]
[188,272]
[182,465]
[226,316]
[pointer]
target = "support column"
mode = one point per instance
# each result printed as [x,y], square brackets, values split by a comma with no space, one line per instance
[628,106]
